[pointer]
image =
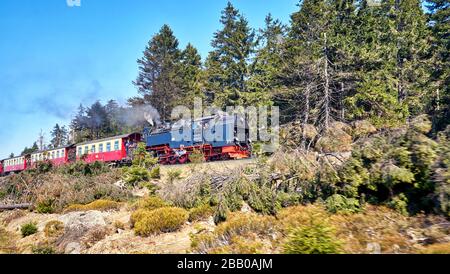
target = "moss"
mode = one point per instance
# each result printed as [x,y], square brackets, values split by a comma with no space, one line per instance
[101,205]
[166,219]
[28,229]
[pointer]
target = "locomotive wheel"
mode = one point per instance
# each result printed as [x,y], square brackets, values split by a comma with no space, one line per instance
[183,159]
[173,161]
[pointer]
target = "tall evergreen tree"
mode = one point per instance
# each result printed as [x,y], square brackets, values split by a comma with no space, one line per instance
[390,62]
[267,62]
[308,73]
[191,76]
[59,136]
[97,121]
[228,64]
[158,81]
[376,95]
[439,19]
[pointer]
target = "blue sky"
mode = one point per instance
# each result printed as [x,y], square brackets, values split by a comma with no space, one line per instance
[54,57]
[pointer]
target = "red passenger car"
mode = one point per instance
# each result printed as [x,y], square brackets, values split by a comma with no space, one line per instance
[57,156]
[114,149]
[15,164]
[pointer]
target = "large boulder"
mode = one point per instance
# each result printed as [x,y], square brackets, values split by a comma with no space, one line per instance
[77,225]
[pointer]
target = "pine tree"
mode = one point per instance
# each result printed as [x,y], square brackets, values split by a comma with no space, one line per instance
[440,77]
[412,54]
[97,121]
[391,62]
[158,82]
[59,136]
[228,64]
[191,76]
[267,62]
[30,150]
[308,73]
[376,95]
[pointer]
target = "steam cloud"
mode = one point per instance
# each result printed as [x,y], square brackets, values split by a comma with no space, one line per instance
[140,114]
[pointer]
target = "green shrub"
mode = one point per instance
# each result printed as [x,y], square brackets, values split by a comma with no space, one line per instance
[400,204]
[341,204]
[135,174]
[45,206]
[166,219]
[43,249]
[286,199]
[28,229]
[316,238]
[155,173]
[173,175]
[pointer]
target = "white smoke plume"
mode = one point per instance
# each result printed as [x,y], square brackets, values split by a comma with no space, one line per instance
[138,115]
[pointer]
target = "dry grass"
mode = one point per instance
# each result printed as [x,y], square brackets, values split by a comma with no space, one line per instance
[7,243]
[101,205]
[63,189]
[241,233]
[54,229]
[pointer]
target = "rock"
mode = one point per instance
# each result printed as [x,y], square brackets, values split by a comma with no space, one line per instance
[83,220]
[73,248]
[373,248]
[246,208]
[77,225]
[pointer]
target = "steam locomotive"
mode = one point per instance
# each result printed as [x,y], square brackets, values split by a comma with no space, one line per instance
[217,137]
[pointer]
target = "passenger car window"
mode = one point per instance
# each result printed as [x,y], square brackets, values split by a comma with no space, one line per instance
[116,145]
[108,147]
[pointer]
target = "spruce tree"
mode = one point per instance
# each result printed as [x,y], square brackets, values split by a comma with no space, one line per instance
[59,136]
[440,72]
[191,76]
[158,81]
[308,73]
[228,64]
[376,94]
[267,62]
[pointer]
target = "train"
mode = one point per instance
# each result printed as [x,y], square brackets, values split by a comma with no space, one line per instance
[216,137]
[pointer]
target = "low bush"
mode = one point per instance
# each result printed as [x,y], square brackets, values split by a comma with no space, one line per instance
[134,175]
[229,235]
[28,229]
[316,238]
[341,204]
[399,204]
[43,250]
[150,203]
[45,206]
[101,205]
[166,219]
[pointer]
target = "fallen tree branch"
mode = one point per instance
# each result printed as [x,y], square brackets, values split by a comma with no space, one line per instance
[16,206]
